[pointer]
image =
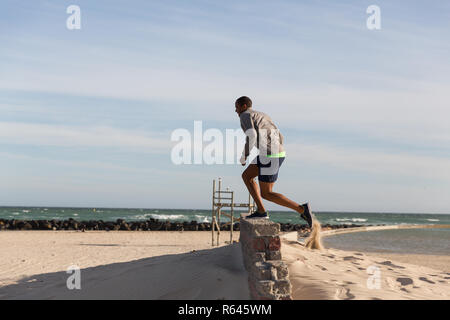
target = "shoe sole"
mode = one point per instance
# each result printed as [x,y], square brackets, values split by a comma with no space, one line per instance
[266,217]
[305,217]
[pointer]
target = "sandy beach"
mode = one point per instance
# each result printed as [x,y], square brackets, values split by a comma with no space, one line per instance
[120,265]
[183,265]
[337,274]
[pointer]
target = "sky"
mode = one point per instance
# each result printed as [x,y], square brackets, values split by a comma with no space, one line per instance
[86,116]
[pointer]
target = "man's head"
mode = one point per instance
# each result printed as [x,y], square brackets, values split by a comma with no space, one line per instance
[242,104]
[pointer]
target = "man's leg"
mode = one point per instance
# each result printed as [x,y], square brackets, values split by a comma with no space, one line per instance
[248,176]
[278,198]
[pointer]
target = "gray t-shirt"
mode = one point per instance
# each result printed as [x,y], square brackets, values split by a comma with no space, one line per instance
[262,132]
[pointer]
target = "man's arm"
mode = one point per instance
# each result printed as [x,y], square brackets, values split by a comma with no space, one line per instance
[250,132]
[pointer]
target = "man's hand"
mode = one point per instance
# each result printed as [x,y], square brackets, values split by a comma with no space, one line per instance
[243,160]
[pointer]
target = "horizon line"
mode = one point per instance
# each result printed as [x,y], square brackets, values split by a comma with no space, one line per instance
[237,209]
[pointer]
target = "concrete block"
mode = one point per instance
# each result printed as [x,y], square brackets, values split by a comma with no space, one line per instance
[273,255]
[281,287]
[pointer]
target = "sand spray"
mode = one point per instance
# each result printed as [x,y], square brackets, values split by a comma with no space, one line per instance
[314,241]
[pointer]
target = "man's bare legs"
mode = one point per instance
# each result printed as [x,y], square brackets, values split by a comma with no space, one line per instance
[266,192]
[278,198]
[248,176]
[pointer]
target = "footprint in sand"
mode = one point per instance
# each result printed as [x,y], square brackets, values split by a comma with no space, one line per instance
[405,281]
[343,294]
[358,254]
[426,280]
[390,264]
[348,258]
[321,268]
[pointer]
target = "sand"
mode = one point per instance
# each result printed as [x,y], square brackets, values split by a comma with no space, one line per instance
[335,274]
[120,265]
[182,265]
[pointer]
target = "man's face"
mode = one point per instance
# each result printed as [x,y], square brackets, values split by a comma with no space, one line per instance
[240,109]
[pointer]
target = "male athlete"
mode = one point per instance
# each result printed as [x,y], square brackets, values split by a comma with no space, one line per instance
[261,132]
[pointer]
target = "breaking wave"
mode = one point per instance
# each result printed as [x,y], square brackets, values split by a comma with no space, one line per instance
[352,219]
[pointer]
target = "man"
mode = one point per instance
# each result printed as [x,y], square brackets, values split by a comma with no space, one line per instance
[261,132]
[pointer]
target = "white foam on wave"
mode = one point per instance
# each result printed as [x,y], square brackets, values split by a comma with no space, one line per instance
[26,211]
[139,217]
[433,220]
[352,219]
[166,216]
[202,218]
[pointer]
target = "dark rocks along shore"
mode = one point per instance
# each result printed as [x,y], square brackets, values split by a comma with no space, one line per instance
[148,225]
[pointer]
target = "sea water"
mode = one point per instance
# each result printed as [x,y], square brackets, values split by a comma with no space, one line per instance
[204,215]
[421,241]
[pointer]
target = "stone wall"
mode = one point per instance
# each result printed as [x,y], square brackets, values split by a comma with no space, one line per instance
[268,276]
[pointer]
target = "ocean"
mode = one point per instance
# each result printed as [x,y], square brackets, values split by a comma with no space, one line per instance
[420,241]
[200,215]
[412,241]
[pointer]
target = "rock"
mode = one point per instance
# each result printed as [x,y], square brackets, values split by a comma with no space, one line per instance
[34,224]
[101,225]
[135,226]
[92,225]
[26,226]
[154,225]
[124,227]
[18,224]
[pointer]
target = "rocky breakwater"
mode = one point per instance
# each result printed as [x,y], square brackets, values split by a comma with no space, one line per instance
[118,225]
[147,225]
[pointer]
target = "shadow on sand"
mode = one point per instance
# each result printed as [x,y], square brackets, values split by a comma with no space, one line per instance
[206,274]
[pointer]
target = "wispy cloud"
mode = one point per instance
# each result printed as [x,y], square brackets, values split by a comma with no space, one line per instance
[17,133]
[365,160]
[312,66]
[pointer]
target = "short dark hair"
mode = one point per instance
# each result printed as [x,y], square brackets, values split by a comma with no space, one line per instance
[244,100]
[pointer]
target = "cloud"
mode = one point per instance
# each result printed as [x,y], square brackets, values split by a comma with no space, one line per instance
[18,133]
[398,165]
